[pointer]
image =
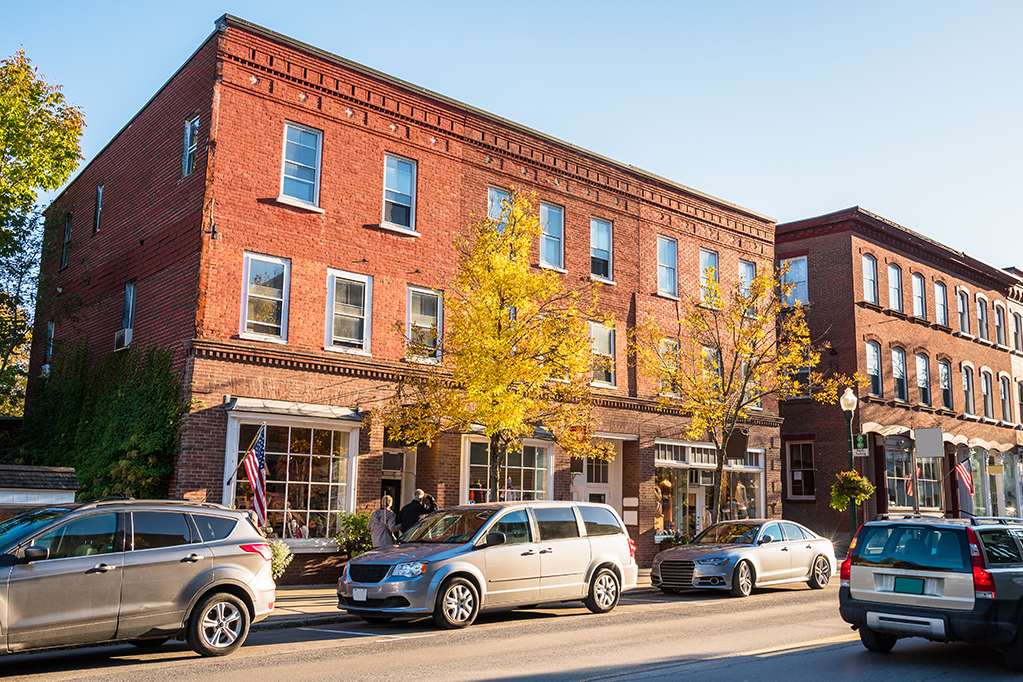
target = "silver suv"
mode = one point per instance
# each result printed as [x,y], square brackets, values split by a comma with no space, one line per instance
[497,555]
[132,570]
[942,579]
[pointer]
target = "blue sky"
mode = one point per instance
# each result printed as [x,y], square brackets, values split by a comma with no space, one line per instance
[910,109]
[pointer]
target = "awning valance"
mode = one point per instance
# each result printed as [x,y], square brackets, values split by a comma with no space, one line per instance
[262,406]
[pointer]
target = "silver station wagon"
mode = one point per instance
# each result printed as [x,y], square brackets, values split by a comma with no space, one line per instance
[458,561]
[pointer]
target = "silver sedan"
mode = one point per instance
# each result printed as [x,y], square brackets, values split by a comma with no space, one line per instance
[740,555]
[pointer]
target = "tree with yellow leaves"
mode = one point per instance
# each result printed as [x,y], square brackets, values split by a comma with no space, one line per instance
[728,352]
[515,355]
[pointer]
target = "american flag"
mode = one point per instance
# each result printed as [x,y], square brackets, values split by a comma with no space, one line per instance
[255,468]
[965,473]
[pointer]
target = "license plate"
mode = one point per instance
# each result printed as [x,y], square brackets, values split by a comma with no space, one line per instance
[359,594]
[909,585]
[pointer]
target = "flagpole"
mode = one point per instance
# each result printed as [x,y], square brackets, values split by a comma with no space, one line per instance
[247,451]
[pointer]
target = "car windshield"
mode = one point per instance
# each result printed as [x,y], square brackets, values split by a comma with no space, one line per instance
[728,534]
[14,529]
[451,526]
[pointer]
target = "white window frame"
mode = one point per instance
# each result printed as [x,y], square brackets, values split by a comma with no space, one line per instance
[437,354]
[466,481]
[874,348]
[870,279]
[791,472]
[919,296]
[99,209]
[496,196]
[895,287]
[546,211]
[398,227]
[1017,331]
[987,388]
[800,287]
[1005,395]
[969,393]
[669,268]
[945,384]
[367,312]
[899,363]
[963,308]
[191,145]
[923,379]
[603,328]
[1001,338]
[128,308]
[287,198]
[941,303]
[982,319]
[243,331]
[594,224]
[709,258]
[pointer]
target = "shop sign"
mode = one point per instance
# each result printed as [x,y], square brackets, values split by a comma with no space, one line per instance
[860,448]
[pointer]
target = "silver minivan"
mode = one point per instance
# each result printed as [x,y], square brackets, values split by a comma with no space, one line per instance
[460,560]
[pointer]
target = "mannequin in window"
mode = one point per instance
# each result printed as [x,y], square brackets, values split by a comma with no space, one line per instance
[741,500]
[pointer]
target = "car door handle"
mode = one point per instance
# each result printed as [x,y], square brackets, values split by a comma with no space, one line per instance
[192,558]
[784,549]
[101,568]
[549,550]
[529,553]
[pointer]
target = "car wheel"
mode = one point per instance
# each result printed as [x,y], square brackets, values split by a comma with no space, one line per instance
[820,573]
[149,643]
[376,620]
[1013,651]
[218,626]
[670,590]
[877,641]
[457,604]
[604,591]
[742,579]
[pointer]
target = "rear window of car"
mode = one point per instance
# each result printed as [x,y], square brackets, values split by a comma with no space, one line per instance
[913,547]
[1000,546]
[600,521]
[213,527]
[556,523]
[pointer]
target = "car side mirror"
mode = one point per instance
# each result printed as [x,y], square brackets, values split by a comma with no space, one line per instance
[496,539]
[764,540]
[36,554]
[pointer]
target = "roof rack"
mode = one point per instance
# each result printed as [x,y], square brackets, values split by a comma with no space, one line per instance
[100,500]
[1003,520]
[131,500]
[897,516]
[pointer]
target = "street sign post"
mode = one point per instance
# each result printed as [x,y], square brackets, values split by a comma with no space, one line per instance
[860,448]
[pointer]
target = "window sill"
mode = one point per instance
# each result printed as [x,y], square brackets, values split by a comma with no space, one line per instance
[555,268]
[871,305]
[988,420]
[900,403]
[597,278]
[1002,346]
[809,500]
[266,339]
[670,297]
[896,313]
[1008,425]
[421,361]
[603,384]
[296,203]
[945,412]
[965,335]
[399,229]
[971,418]
[347,351]
[984,342]
[941,327]
[919,320]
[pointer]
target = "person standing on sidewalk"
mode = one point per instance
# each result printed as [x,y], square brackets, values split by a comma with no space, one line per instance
[383,524]
[412,511]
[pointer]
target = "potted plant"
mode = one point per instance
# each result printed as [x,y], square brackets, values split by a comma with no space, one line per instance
[850,486]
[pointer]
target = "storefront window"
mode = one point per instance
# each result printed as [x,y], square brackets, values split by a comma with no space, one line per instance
[307,479]
[929,482]
[978,465]
[1011,470]
[899,476]
[524,474]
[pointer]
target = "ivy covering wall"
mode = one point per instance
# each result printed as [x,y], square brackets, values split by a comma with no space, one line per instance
[118,422]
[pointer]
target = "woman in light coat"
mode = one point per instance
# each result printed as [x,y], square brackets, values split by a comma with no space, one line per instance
[383,524]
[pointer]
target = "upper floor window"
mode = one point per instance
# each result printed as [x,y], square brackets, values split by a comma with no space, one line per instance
[498,203]
[600,248]
[349,311]
[899,373]
[986,391]
[48,344]
[940,304]
[1000,325]
[65,249]
[191,145]
[982,319]
[801,470]
[1019,401]
[894,287]
[1006,396]
[945,382]
[747,273]
[968,390]
[923,378]
[300,172]
[1017,331]
[265,296]
[795,274]
[709,272]
[919,296]
[964,312]
[552,245]
[400,192]
[425,323]
[869,278]
[99,209]
[603,338]
[667,266]
[128,309]
[874,368]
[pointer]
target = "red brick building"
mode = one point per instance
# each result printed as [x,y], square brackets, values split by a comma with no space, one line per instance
[940,337]
[274,210]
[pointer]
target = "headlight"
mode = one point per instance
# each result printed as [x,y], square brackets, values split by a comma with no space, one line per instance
[344,576]
[713,561]
[413,569]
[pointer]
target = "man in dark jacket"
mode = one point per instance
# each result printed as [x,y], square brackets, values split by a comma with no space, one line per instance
[411,512]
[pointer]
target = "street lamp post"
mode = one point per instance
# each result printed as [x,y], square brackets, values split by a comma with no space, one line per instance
[848,402]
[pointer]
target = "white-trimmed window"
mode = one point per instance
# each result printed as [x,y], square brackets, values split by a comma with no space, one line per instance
[65,248]
[987,393]
[945,381]
[399,193]
[894,287]
[751,394]
[300,170]
[899,374]
[919,296]
[874,368]
[425,328]
[964,312]
[526,474]
[128,308]
[265,297]
[796,275]
[349,311]
[601,240]
[99,209]
[968,390]
[940,304]
[191,145]
[498,201]
[709,272]
[1017,331]
[1005,393]
[800,466]
[1019,400]
[869,279]
[552,241]
[1000,325]
[982,318]
[667,266]
[747,273]
[603,338]
[923,378]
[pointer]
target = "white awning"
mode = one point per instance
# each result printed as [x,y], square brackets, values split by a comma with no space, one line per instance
[262,406]
[956,439]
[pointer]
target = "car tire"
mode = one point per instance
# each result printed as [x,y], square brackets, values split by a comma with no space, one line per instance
[820,573]
[457,605]
[877,641]
[151,643]
[376,620]
[670,590]
[743,579]
[1013,651]
[605,589]
[218,625]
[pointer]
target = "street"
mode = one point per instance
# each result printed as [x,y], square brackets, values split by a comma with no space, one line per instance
[792,632]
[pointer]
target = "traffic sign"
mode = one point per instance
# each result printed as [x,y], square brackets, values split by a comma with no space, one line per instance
[860,448]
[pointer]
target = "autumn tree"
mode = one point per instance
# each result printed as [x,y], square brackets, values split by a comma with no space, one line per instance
[19,270]
[728,352]
[515,353]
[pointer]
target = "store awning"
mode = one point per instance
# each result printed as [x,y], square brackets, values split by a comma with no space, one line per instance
[261,406]
[956,439]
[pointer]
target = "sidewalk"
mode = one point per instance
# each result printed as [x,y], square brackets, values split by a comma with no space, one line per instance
[307,605]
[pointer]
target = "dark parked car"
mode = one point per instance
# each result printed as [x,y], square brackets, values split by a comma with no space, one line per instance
[132,570]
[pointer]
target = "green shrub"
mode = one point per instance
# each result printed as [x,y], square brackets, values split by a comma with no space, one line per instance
[353,533]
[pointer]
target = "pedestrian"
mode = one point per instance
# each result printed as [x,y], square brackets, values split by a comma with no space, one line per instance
[429,504]
[412,511]
[383,525]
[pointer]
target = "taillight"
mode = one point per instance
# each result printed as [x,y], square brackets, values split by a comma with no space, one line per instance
[983,583]
[632,548]
[262,549]
[846,568]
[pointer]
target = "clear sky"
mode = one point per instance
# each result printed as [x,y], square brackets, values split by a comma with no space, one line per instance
[909,109]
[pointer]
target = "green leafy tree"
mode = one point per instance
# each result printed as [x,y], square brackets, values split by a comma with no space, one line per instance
[19,269]
[515,354]
[728,352]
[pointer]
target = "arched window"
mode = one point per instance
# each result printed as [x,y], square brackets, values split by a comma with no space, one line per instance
[986,390]
[968,390]
[982,318]
[940,304]
[923,378]
[1000,325]
[899,373]
[1017,331]
[919,296]
[1005,393]
[945,381]
[964,312]
[894,287]
[869,278]
[874,368]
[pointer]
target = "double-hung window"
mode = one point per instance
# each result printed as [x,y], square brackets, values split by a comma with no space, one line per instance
[919,296]
[667,266]
[869,279]
[48,345]
[968,391]
[300,172]
[1000,325]
[801,470]
[945,381]
[899,373]
[1006,396]
[986,390]
[874,368]
[894,287]
[603,339]
[940,304]
[399,193]
[190,146]
[795,274]
[65,249]
[265,297]
[1019,400]
[1017,332]
[552,241]
[964,312]
[99,209]
[923,378]
[600,249]
[128,309]
[710,274]
[498,206]
[349,311]
[982,319]
[747,273]
[425,323]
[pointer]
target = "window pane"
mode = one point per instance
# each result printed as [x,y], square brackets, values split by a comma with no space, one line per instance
[555,523]
[83,536]
[159,529]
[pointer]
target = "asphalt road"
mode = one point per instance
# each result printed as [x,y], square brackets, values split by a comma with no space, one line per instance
[789,634]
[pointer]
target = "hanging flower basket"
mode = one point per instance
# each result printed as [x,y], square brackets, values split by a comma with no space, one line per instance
[850,486]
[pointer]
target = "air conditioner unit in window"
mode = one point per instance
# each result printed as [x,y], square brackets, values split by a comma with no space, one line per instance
[122,338]
[44,372]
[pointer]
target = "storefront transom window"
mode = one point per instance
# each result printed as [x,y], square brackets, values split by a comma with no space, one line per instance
[524,475]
